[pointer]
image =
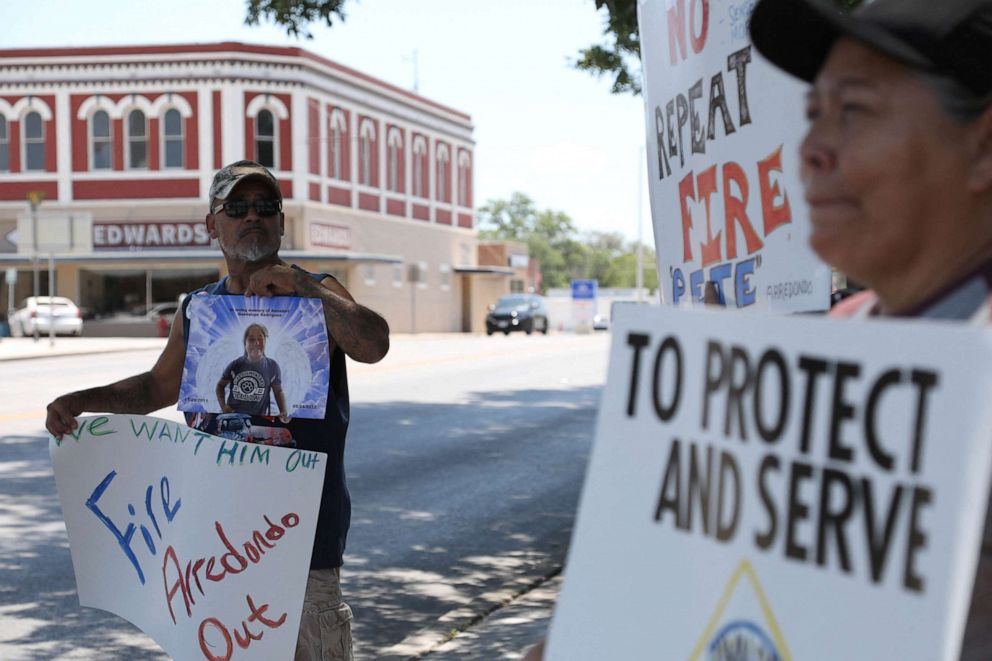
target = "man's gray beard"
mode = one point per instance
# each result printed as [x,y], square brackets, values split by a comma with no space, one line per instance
[254,252]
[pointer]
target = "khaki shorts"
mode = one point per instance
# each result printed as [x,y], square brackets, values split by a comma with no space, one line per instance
[325,628]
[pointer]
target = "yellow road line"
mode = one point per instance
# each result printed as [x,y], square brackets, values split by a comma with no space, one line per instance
[23,416]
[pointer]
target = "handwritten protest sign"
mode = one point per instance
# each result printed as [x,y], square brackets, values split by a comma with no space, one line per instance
[723,133]
[293,336]
[780,488]
[203,543]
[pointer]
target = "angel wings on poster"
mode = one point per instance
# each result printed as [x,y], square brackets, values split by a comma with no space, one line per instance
[256,356]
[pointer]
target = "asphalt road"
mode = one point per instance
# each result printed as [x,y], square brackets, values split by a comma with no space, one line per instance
[465,459]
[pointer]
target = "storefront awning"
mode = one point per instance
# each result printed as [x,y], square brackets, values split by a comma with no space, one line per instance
[483,270]
[206,256]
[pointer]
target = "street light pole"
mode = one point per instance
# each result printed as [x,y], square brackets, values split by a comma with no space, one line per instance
[34,199]
[640,232]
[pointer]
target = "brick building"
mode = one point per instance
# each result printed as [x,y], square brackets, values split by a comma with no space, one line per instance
[123,142]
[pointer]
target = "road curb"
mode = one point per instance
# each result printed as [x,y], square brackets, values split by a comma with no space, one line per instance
[420,644]
[33,352]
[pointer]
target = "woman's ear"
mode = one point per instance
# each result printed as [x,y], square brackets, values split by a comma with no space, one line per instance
[980,179]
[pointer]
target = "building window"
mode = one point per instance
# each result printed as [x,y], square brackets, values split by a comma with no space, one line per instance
[419,156]
[338,127]
[393,160]
[4,145]
[397,275]
[463,180]
[137,140]
[100,141]
[172,138]
[265,139]
[445,272]
[34,142]
[365,159]
[368,273]
[442,171]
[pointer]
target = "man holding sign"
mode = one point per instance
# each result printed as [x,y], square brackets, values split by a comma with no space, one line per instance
[246,219]
[897,165]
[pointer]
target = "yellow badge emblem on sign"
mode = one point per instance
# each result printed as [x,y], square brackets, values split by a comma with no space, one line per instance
[746,631]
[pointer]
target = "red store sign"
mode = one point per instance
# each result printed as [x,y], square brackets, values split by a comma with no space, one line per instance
[131,236]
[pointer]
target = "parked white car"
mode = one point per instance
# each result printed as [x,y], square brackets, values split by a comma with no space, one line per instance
[42,312]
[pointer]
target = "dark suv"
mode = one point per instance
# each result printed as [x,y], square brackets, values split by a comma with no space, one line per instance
[514,312]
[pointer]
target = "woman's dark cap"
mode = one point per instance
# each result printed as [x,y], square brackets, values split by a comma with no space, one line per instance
[950,38]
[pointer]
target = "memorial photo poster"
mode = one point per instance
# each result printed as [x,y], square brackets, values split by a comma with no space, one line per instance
[723,134]
[792,486]
[250,347]
[203,543]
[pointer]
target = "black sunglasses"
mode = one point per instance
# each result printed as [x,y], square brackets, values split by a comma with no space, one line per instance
[239,208]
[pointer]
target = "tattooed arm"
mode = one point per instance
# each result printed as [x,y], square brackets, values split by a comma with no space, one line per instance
[142,393]
[360,332]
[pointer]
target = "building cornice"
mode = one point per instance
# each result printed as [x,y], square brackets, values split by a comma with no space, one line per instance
[173,64]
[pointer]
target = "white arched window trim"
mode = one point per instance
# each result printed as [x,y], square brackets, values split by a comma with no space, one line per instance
[442,159]
[127,138]
[279,112]
[124,108]
[339,127]
[90,106]
[91,138]
[464,177]
[133,102]
[168,102]
[164,136]
[87,110]
[30,104]
[419,153]
[267,102]
[257,138]
[366,144]
[29,141]
[394,143]
[5,144]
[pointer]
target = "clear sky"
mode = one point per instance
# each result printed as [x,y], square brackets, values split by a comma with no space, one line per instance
[541,127]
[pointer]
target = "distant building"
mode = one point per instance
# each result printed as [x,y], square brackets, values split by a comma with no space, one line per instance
[515,255]
[378,181]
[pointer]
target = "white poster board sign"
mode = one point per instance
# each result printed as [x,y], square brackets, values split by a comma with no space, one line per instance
[723,133]
[203,543]
[802,488]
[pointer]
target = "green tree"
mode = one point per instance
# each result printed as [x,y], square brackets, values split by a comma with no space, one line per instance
[512,220]
[554,241]
[604,248]
[619,56]
[295,15]
[623,269]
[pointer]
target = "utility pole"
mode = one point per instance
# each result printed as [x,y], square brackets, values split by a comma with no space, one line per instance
[34,199]
[414,57]
[640,231]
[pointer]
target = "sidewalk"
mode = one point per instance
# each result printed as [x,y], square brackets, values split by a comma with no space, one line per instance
[507,632]
[22,348]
